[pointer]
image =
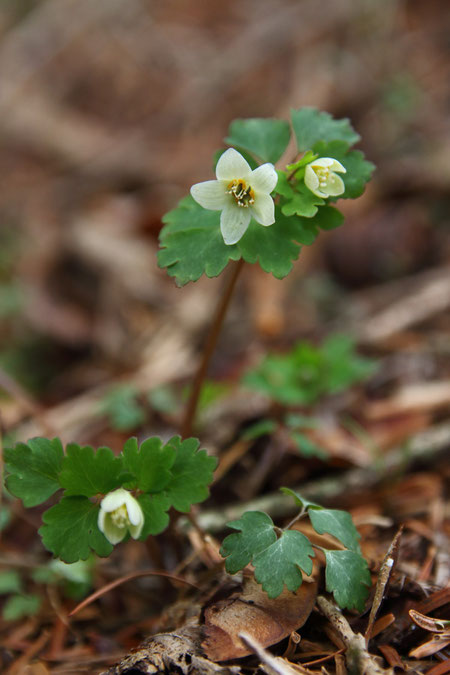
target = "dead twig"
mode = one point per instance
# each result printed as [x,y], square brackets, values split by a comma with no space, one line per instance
[358,658]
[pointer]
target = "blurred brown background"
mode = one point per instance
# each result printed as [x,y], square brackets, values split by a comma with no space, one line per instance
[111,109]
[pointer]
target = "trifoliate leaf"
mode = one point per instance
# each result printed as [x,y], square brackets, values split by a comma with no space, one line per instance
[266,138]
[256,534]
[359,170]
[301,501]
[339,524]
[33,469]
[311,126]
[306,446]
[348,578]
[151,463]
[18,606]
[85,472]
[156,518]
[192,473]
[70,530]
[192,243]
[279,564]
[304,203]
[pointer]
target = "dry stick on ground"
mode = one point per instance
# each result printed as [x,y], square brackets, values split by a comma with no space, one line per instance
[428,295]
[424,446]
[358,658]
[272,665]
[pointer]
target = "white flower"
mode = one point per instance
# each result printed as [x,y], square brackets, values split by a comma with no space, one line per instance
[120,513]
[239,193]
[321,179]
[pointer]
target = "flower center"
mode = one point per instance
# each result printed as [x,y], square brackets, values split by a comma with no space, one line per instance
[120,516]
[322,173]
[242,193]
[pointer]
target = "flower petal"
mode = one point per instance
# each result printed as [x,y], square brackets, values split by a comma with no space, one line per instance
[135,530]
[135,513]
[337,166]
[234,221]
[113,533]
[312,181]
[263,210]
[264,178]
[335,185]
[211,194]
[322,162]
[114,500]
[101,520]
[232,165]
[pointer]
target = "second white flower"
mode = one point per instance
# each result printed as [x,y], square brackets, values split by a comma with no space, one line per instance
[239,193]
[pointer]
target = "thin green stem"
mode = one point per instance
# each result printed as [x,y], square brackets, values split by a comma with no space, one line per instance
[208,349]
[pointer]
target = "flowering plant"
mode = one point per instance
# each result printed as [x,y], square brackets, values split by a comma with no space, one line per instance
[250,213]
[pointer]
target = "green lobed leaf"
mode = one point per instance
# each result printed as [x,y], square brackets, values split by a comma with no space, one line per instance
[301,501]
[192,243]
[155,509]
[70,530]
[337,523]
[297,421]
[303,203]
[343,365]
[359,170]
[258,429]
[278,565]
[85,472]
[10,582]
[123,408]
[192,473]
[307,447]
[274,247]
[348,578]
[256,534]
[266,138]
[311,126]
[151,463]
[328,218]
[33,469]
[19,606]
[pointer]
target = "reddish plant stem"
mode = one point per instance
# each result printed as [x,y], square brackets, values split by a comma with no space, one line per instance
[208,350]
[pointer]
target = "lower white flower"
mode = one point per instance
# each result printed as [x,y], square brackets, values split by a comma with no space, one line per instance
[321,179]
[120,513]
[239,193]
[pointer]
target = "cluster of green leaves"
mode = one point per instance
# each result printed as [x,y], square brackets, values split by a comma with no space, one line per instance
[301,378]
[175,474]
[279,557]
[191,241]
[307,373]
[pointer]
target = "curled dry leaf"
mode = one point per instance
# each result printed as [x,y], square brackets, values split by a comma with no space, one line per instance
[267,620]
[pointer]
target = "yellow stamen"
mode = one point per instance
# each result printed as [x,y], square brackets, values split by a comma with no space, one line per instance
[242,193]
